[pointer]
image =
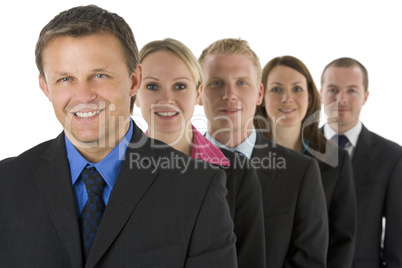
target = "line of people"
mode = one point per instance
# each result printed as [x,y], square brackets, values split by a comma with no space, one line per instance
[264,187]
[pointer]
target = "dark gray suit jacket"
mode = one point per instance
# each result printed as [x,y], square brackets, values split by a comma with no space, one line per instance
[340,195]
[173,217]
[377,165]
[296,222]
[245,204]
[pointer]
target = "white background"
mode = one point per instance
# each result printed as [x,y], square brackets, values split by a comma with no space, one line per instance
[315,31]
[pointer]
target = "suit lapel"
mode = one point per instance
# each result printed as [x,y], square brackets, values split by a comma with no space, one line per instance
[131,184]
[263,147]
[54,180]
[363,155]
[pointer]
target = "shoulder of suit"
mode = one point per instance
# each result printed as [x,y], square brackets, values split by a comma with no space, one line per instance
[27,158]
[392,148]
[289,153]
[278,151]
[180,163]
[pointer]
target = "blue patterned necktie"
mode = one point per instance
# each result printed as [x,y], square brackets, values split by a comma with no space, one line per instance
[341,140]
[92,212]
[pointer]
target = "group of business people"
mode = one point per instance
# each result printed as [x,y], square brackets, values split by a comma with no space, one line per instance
[264,187]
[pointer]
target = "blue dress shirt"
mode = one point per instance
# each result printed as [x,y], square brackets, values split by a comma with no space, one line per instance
[108,167]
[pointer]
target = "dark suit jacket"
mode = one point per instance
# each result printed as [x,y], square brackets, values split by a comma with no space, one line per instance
[296,222]
[173,217]
[377,165]
[245,204]
[340,196]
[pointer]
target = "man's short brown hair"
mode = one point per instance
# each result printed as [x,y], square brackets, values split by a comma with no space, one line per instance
[347,63]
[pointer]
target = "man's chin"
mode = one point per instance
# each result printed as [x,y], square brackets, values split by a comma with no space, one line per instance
[84,140]
[333,120]
[225,128]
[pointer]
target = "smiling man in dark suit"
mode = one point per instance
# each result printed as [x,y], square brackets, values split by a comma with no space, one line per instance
[377,165]
[102,194]
[295,215]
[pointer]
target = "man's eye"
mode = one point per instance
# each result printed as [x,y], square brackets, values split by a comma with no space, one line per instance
[216,83]
[64,79]
[100,76]
[242,83]
[152,87]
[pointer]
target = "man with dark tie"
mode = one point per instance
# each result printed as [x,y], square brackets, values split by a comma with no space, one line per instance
[295,214]
[377,165]
[102,194]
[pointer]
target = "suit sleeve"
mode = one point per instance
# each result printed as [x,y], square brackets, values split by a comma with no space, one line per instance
[392,253]
[249,222]
[213,241]
[342,216]
[310,227]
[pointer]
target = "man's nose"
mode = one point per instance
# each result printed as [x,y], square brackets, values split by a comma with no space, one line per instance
[230,92]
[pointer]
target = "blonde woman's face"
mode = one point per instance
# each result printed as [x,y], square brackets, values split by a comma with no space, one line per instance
[168,93]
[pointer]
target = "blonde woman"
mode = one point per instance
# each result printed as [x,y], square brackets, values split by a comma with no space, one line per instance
[171,87]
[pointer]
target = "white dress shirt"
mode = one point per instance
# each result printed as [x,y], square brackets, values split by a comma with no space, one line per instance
[352,135]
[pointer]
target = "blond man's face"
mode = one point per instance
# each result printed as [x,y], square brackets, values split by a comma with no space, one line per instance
[231,92]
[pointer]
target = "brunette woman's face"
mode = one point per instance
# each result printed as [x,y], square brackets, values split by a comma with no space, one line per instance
[286,96]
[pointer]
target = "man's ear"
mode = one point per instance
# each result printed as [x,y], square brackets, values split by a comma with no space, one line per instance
[260,94]
[136,80]
[43,86]
[200,90]
[366,95]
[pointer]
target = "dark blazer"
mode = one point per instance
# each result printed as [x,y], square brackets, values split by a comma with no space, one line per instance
[296,222]
[157,216]
[340,196]
[377,165]
[245,204]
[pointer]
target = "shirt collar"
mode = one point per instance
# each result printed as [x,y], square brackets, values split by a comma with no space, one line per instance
[108,167]
[352,134]
[246,147]
[206,150]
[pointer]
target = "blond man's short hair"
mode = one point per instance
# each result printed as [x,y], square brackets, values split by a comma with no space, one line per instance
[231,46]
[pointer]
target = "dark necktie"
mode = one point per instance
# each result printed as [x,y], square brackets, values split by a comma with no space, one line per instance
[238,152]
[92,212]
[341,140]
